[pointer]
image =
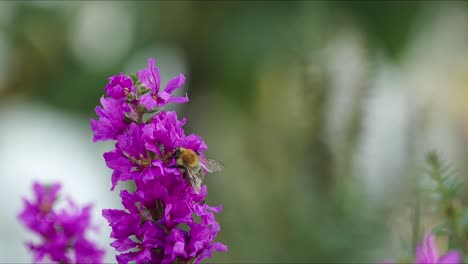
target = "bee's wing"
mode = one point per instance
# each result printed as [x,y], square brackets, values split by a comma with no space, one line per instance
[194,179]
[211,165]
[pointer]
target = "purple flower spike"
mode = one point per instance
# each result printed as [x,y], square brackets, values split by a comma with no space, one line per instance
[164,220]
[63,232]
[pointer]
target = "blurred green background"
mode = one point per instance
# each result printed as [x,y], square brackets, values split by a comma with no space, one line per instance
[320,110]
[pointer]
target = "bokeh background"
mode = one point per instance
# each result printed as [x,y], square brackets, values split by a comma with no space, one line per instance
[321,111]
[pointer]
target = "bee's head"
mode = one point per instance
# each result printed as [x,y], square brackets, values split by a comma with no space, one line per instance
[177,153]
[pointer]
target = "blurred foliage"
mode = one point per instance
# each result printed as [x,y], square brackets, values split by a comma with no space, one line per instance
[224,42]
[259,91]
[386,22]
[445,194]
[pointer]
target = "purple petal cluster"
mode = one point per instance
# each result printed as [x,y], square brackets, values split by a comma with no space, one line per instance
[127,101]
[164,220]
[62,232]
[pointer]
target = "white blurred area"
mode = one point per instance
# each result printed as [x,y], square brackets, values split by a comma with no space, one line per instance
[39,143]
[101,33]
[384,140]
[412,106]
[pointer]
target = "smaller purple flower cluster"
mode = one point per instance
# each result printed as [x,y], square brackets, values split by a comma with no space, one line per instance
[427,252]
[63,232]
[165,220]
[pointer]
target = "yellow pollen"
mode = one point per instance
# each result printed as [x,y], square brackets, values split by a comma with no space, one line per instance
[144,163]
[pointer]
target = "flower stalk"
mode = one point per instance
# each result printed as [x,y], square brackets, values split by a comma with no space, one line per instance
[165,220]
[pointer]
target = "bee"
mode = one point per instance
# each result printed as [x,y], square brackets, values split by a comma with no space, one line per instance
[193,164]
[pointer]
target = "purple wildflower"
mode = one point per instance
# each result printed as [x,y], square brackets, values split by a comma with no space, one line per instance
[164,220]
[119,86]
[427,253]
[151,78]
[63,232]
[127,102]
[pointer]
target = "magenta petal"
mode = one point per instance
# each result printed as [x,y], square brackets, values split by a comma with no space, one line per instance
[115,179]
[147,132]
[148,101]
[46,193]
[219,247]
[451,257]
[113,215]
[144,256]
[175,83]
[163,98]
[145,78]
[216,246]
[420,255]
[147,175]
[94,127]
[427,251]
[179,248]
[158,168]
[126,257]
[133,175]
[430,247]
[179,100]
[123,244]
[216,209]
[86,252]
[150,77]
[154,73]
[120,164]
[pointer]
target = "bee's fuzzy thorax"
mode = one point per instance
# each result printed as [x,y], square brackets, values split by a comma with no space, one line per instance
[188,158]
